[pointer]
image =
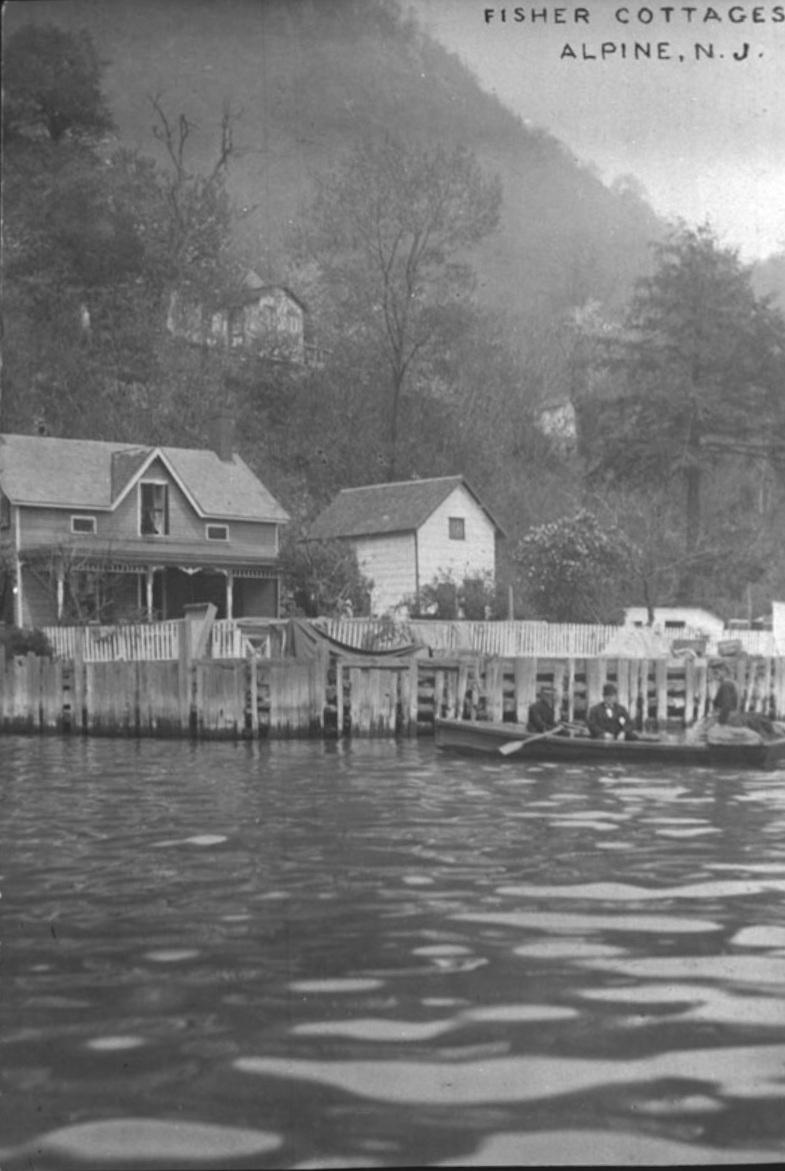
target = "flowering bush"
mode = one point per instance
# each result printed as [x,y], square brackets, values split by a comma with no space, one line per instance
[476,597]
[575,569]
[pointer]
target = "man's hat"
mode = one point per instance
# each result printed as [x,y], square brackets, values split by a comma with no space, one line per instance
[609,689]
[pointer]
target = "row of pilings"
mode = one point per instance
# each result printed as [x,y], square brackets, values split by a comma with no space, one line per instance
[333,695]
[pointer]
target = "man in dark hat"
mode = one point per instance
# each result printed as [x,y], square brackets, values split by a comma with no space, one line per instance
[610,720]
[726,700]
[542,717]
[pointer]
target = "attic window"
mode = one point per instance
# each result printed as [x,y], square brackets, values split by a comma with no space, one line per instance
[217,532]
[83,524]
[154,509]
[457,528]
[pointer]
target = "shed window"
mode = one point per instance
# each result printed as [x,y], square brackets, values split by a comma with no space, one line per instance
[83,524]
[217,532]
[457,528]
[154,504]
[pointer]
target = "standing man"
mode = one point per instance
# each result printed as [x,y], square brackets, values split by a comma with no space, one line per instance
[610,720]
[726,701]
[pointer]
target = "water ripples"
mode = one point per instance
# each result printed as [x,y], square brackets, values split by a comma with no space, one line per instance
[305,955]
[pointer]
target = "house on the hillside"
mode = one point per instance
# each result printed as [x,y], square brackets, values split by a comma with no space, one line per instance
[266,320]
[406,534]
[91,530]
[673,619]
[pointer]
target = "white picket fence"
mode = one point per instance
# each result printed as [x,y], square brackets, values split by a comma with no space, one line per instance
[152,641]
[161,640]
[539,639]
[512,639]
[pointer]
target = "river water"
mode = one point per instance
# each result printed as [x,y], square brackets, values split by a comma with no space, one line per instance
[325,955]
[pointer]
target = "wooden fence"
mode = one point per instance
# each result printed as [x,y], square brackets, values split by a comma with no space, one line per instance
[269,638]
[150,642]
[524,638]
[336,695]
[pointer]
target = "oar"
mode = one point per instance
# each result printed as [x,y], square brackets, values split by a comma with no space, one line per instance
[513,745]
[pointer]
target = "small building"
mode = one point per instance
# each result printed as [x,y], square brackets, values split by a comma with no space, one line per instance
[91,530]
[673,619]
[558,420]
[268,321]
[407,533]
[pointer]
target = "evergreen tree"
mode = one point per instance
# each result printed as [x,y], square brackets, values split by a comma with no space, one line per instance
[699,370]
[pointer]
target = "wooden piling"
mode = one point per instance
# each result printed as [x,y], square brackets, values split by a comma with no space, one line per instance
[525,671]
[363,696]
[407,698]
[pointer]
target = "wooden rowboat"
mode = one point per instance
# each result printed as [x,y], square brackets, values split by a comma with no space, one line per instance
[513,741]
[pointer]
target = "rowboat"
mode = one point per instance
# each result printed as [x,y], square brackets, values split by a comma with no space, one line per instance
[513,741]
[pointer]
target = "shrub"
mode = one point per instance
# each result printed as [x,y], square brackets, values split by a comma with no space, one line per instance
[18,640]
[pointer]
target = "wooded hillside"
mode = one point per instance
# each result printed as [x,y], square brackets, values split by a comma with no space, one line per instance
[248,135]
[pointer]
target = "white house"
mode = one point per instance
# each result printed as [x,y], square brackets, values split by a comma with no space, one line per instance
[408,533]
[675,618]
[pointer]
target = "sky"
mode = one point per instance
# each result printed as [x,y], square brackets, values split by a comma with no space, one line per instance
[705,136]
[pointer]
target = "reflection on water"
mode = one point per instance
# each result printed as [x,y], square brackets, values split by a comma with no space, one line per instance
[310,955]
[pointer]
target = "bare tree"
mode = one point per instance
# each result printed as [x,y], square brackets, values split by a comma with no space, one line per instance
[392,226]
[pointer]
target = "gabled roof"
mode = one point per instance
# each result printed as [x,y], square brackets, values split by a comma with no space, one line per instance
[251,294]
[399,507]
[93,474]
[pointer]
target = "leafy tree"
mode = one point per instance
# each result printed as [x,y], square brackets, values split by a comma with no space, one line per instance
[391,227]
[322,578]
[52,81]
[93,243]
[699,370]
[575,569]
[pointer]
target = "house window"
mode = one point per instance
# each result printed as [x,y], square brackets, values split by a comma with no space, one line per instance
[217,532]
[154,506]
[83,524]
[457,528]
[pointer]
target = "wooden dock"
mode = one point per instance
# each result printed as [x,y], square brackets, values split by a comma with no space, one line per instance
[335,695]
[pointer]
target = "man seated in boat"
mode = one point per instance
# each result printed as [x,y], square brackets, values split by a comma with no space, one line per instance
[542,717]
[610,720]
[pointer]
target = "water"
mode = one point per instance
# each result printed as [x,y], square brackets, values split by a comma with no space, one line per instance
[311,955]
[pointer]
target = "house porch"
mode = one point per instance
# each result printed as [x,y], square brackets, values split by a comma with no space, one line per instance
[50,589]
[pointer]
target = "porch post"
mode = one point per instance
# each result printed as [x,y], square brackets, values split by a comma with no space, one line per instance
[19,608]
[229,594]
[60,592]
[149,591]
